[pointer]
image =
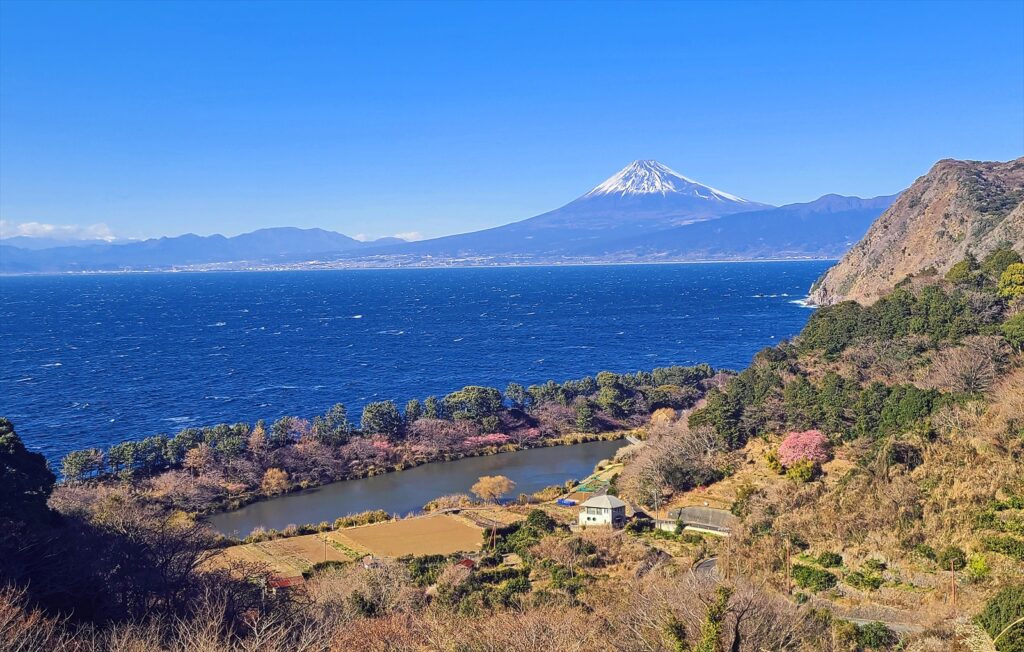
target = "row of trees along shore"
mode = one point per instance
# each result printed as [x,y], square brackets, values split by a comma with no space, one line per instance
[225,465]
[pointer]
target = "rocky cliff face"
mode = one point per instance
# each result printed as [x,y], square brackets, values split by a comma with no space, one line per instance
[959,207]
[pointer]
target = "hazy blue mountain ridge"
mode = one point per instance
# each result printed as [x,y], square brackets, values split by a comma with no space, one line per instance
[644,212]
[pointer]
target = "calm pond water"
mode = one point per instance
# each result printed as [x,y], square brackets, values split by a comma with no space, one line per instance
[407,491]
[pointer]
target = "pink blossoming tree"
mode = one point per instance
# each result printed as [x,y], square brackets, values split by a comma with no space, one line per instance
[494,439]
[810,445]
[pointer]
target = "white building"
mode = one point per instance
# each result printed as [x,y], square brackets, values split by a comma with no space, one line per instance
[603,510]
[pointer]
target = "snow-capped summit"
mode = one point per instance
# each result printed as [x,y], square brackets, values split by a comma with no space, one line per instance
[652,177]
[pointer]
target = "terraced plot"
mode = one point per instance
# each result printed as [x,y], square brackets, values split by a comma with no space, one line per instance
[441,534]
[288,557]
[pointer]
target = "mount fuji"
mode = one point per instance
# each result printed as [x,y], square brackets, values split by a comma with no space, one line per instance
[643,197]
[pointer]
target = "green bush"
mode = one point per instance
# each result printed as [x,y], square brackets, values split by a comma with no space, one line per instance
[977,567]
[962,271]
[424,569]
[541,521]
[802,471]
[931,312]
[875,636]
[1013,331]
[1011,282]
[926,551]
[865,581]
[874,565]
[498,575]
[639,525]
[951,557]
[1008,545]
[830,559]
[1003,609]
[519,584]
[813,579]
[662,534]
[323,566]
[996,262]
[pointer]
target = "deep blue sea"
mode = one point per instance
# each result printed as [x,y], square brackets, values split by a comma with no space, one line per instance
[93,360]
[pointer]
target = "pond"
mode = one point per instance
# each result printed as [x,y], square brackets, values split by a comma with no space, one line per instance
[407,491]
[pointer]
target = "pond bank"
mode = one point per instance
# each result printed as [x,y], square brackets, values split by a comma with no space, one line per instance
[407,491]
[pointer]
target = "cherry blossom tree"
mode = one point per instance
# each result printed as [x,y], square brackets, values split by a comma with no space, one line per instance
[810,445]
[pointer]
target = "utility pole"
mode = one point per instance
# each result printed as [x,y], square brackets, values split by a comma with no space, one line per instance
[789,587]
[657,508]
[952,582]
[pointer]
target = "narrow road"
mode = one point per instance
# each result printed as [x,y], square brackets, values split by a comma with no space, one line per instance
[706,567]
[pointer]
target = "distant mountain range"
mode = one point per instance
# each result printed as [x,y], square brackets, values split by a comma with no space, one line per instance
[264,247]
[646,212]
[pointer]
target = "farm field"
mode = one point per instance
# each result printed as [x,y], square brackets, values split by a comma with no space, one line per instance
[440,534]
[287,557]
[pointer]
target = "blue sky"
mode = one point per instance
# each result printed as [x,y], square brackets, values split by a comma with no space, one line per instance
[149,118]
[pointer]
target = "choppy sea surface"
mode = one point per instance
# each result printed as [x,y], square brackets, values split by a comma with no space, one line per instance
[93,360]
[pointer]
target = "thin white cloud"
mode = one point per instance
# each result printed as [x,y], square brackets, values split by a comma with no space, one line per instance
[99,231]
[361,237]
[411,236]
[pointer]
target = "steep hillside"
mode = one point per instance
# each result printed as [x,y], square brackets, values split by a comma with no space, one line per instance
[958,208]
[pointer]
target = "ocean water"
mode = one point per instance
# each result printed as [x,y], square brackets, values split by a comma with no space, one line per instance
[93,360]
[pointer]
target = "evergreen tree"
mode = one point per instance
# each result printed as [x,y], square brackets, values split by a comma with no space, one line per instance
[585,421]
[413,411]
[381,418]
[517,396]
[25,478]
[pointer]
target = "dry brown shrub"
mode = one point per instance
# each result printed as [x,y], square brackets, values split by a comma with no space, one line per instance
[450,579]
[628,452]
[662,417]
[564,629]
[385,583]
[394,633]
[1006,410]
[673,454]
[451,501]
[28,630]
[636,614]
[275,481]
[969,368]
[492,487]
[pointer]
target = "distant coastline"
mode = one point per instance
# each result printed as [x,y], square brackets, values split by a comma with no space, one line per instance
[312,266]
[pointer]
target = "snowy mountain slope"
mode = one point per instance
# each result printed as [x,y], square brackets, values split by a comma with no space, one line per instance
[651,177]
